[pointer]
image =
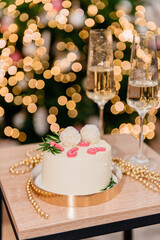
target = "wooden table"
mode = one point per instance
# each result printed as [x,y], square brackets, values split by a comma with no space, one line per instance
[134,207]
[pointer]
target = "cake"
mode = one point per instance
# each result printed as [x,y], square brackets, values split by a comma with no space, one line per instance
[76,163]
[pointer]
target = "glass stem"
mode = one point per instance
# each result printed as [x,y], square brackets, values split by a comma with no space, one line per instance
[101,111]
[140,150]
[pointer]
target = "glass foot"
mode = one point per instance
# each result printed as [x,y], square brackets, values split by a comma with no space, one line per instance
[142,160]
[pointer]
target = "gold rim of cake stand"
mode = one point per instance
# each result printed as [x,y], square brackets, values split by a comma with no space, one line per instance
[75,200]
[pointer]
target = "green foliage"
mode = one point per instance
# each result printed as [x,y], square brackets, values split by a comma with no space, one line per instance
[110,185]
[45,146]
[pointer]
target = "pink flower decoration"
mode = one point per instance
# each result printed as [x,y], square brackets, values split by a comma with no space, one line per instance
[92,151]
[84,144]
[61,148]
[74,149]
[54,144]
[95,150]
[101,149]
[71,154]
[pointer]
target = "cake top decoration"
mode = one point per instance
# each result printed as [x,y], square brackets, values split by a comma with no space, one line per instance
[90,133]
[70,137]
[51,144]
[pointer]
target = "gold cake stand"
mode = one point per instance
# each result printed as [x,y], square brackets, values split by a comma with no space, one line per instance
[75,200]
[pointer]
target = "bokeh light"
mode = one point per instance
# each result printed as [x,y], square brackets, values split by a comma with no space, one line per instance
[41,69]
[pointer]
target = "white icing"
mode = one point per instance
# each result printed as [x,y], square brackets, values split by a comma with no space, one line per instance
[80,175]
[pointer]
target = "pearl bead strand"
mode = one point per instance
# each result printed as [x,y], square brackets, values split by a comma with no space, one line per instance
[149,179]
[30,162]
[33,202]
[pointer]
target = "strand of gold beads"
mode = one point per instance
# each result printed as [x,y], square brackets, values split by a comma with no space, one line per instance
[33,202]
[149,179]
[30,162]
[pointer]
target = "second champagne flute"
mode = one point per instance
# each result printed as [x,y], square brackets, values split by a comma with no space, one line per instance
[100,78]
[142,92]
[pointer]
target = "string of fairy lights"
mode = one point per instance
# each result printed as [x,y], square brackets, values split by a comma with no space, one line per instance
[15,76]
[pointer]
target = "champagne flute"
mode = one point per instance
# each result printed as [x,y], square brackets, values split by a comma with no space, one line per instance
[100,78]
[142,92]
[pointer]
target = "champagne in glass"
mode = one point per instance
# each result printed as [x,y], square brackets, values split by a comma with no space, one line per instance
[100,78]
[142,92]
[103,90]
[143,96]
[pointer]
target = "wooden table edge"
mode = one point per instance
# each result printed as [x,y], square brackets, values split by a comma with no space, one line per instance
[23,234]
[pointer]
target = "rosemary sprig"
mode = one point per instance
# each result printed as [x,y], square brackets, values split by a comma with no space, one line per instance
[45,146]
[54,138]
[110,185]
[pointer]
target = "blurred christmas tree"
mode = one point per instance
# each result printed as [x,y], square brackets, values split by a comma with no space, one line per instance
[43,55]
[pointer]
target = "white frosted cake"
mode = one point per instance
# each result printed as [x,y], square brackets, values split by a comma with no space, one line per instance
[81,165]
